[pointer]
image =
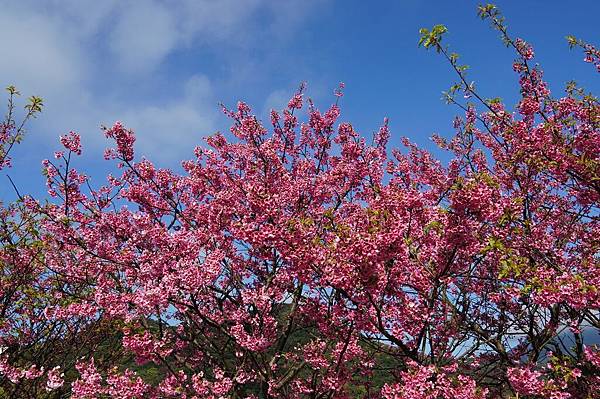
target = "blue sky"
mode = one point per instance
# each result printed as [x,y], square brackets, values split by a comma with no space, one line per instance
[161,67]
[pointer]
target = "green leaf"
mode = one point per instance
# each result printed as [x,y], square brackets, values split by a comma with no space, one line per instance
[432,38]
[35,104]
[13,90]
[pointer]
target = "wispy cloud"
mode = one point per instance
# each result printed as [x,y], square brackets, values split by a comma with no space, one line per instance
[141,37]
[96,62]
[172,129]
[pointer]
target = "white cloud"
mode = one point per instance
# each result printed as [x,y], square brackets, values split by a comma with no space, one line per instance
[36,54]
[216,20]
[172,130]
[84,57]
[276,100]
[143,36]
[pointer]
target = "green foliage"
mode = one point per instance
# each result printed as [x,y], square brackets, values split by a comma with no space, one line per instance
[35,105]
[433,37]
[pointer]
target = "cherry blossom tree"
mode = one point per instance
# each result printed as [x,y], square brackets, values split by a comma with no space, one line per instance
[35,351]
[302,259]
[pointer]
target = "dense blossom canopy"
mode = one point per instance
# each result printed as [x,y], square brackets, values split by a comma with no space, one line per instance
[304,260]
